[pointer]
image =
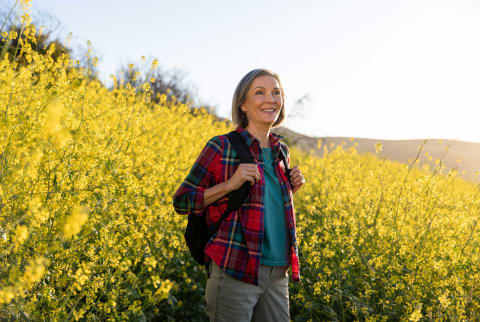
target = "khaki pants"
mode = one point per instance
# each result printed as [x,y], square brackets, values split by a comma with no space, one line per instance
[230,300]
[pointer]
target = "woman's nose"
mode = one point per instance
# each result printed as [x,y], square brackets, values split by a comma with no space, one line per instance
[271,98]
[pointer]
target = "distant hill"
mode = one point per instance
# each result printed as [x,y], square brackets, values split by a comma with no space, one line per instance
[465,156]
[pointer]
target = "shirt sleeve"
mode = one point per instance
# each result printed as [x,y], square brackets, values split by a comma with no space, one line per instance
[189,197]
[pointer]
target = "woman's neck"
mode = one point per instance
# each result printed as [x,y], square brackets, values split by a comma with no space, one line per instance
[261,133]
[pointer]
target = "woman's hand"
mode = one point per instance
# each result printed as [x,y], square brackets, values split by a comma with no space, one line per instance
[244,172]
[296,179]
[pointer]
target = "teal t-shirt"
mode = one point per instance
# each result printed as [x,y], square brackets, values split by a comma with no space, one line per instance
[275,241]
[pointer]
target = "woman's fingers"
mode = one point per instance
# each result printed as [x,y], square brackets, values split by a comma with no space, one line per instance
[295,171]
[245,172]
[249,172]
[296,178]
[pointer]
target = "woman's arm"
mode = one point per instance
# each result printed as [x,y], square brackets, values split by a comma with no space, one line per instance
[214,193]
[189,197]
[196,191]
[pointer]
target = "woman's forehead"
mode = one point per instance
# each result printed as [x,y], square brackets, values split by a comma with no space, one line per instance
[265,81]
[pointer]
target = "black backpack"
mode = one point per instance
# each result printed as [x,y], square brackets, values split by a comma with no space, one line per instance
[197,233]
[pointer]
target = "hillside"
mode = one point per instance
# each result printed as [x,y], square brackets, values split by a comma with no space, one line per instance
[465,156]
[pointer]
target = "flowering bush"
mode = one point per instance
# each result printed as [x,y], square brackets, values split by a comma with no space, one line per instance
[381,240]
[86,178]
[88,231]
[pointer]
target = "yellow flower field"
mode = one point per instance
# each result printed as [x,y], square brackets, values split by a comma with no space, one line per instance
[381,240]
[88,231]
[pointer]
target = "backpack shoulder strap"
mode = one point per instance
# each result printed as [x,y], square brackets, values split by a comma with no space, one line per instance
[240,146]
[285,163]
[237,197]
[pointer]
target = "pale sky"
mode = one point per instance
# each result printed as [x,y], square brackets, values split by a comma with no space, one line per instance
[384,69]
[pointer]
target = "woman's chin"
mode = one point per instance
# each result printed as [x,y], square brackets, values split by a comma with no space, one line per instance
[269,120]
[268,123]
[265,121]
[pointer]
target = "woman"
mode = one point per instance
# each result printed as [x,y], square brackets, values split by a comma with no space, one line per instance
[254,246]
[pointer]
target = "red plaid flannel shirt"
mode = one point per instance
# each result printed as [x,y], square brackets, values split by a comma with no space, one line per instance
[237,245]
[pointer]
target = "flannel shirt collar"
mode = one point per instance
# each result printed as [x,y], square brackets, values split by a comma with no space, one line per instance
[251,140]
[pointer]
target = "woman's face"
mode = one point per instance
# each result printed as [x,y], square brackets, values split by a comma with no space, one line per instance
[264,101]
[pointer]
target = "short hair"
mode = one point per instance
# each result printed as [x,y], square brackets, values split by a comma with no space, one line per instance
[238,116]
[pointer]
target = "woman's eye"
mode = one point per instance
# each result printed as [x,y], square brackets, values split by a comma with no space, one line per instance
[261,92]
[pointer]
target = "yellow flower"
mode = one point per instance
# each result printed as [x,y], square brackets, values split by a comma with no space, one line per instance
[37,213]
[26,3]
[35,271]
[163,291]
[62,137]
[7,294]
[81,276]
[54,113]
[75,221]
[443,299]
[378,147]
[151,262]
[163,98]
[416,314]
[12,35]
[21,235]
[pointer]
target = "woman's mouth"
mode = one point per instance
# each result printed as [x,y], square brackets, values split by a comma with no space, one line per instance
[268,110]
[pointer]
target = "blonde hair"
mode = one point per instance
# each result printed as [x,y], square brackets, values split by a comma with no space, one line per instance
[238,116]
